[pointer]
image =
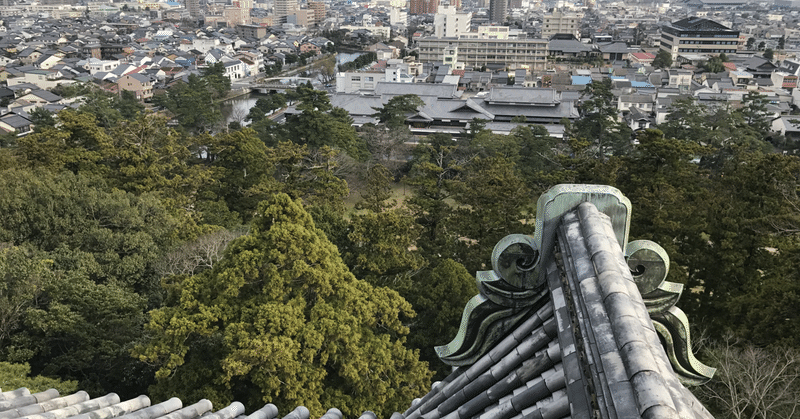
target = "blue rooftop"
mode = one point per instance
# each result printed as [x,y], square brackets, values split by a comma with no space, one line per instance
[641,84]
[581,80]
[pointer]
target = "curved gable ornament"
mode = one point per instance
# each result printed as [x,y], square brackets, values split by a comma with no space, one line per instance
[515,287]
[649,265]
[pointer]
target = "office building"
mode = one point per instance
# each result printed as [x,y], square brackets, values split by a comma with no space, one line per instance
[698,36]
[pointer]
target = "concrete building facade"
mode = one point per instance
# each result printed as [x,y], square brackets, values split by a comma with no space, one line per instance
[251,31]
[698,36]
[284,8]
[561,23]
[398,16]
[421,7]
[193,6]
[450,23]
[529,54]
[351,82]
[319,11]
[498,11]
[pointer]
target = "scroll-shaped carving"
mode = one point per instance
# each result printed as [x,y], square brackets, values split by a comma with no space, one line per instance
[502,301]
[515,285]
[649,265]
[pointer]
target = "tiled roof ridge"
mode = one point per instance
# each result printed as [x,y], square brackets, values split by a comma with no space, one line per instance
[49,404]
[575,313]
[520,374]
[634,365]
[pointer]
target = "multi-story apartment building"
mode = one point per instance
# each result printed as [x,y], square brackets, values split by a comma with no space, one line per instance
[421,7]
[252,31]
[527,53]
[449,22]
[498,11]
[194,9]
[234,16]
[561,23]
[698,36]
[284,8]
[398,16]
[139,84]
[319,11]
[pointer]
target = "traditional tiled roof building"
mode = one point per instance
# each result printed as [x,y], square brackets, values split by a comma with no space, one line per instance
[574,322]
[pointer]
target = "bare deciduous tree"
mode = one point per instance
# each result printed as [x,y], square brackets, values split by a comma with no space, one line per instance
[239,114]
[752,382]
[388,147]
[196,256]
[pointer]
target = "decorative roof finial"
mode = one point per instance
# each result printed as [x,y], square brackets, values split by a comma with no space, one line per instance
[514,287]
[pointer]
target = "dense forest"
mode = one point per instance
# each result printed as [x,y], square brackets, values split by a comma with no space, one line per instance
[310,263]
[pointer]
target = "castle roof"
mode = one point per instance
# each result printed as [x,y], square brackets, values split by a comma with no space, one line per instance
[565,326]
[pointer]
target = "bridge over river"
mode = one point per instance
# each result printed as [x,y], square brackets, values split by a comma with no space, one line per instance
[276,84]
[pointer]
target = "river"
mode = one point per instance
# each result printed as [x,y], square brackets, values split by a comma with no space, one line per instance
[236,109]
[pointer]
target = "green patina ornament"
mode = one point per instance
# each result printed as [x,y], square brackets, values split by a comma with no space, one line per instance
[515,286]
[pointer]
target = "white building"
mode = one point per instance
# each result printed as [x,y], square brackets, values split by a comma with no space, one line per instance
[680,79]
[93,65]
[559,22]
[351,82]
[235,69]
[44,79]
[398,17]
[401,71]
[449,22]
[494,45]
[284,8]
[379,31]
[202,44]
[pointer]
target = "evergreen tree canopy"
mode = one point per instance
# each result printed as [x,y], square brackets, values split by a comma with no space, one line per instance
[281,319]
[192,102]
[663,59]
[600,127]
[394,113]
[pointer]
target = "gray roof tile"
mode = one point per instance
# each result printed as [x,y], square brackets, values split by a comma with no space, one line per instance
[601,357]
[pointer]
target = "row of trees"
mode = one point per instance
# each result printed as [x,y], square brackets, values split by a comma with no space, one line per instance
[116,235]
[230,267]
